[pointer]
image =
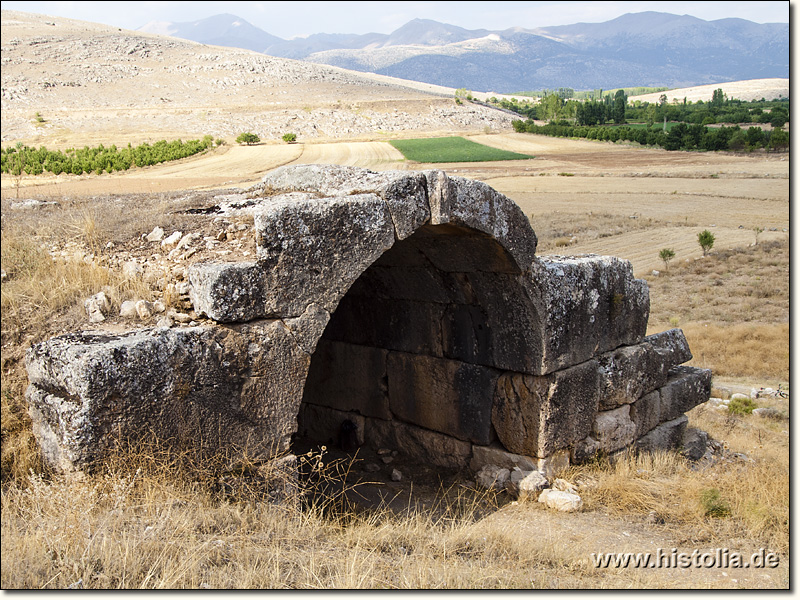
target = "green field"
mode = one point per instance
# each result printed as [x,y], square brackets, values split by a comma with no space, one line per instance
[452,150]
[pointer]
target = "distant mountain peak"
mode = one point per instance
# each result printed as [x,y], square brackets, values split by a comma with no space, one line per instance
[648,48]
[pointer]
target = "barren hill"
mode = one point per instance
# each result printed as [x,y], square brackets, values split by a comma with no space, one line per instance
[752,89]
[67,82]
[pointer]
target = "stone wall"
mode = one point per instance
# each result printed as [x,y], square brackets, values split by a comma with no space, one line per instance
[412,304]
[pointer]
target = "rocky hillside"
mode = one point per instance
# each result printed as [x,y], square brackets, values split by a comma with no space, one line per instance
[69,82]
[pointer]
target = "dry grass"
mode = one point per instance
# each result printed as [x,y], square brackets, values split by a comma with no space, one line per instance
[557,230]
[733,307]
[737,285]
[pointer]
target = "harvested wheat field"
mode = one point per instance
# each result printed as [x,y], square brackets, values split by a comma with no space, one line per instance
[156,519]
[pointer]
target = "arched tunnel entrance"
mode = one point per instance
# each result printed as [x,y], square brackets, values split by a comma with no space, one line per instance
[412,354]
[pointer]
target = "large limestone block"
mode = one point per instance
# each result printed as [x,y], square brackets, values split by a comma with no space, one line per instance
[401,325]
[404,192]
[211,387]
[666,436]
[309,251]
[646,412]
[349,378]
[418,443]
[514,325]
[448,396]
[492,455]
[630,372]
[535,416]
[614,429]
[588,305]
[478,206]
[686,388]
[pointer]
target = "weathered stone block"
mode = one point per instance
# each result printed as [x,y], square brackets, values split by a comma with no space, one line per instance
[418,443]
[228,292]
[554,464]
[452,397]
[491,455]
[666,436]
[613,429]
[309,252]
[401,325]
[646,412]
[686,388]
[209,386]
[308,328]
[534,416]
[587,305]
[584,450]
[513,324]
[478,206]
[404,192]
[349,378]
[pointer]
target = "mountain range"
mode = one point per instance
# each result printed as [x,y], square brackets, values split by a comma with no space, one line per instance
[636,49]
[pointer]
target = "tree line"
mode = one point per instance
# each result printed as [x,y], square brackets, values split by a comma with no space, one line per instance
[606,108]
[681,136]
[19,159]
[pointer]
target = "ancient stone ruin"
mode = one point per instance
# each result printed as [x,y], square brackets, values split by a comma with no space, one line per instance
[409,303]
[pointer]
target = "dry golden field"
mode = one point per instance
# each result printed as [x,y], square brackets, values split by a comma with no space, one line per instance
[157,520]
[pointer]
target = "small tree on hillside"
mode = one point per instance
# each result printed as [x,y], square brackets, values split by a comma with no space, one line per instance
[248,138]
[289,138]
[666,254]
[706,240]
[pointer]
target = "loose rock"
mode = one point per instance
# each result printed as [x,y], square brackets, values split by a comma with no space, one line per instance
[563,501]
[97,307]
[128,309]
[156,235]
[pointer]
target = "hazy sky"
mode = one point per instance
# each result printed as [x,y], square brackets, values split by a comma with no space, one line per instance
[290,19]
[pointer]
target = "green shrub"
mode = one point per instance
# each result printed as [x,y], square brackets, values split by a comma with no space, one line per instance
[741,406]
[713,503]
[666,254]
[289,138]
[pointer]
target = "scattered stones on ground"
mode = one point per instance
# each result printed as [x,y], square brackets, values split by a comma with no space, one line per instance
[156,235]
[562,501]
[128,309]
[97,307]
[396,475]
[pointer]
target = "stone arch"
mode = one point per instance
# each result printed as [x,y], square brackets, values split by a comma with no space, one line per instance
[417,273]
[556,345]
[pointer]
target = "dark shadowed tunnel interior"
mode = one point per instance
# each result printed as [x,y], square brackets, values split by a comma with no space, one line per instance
[412,354]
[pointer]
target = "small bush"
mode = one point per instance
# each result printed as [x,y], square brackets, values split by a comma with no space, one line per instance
[248,138]
[741,406]
[666,254]
[289,138]
[706,240]
[713,503]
